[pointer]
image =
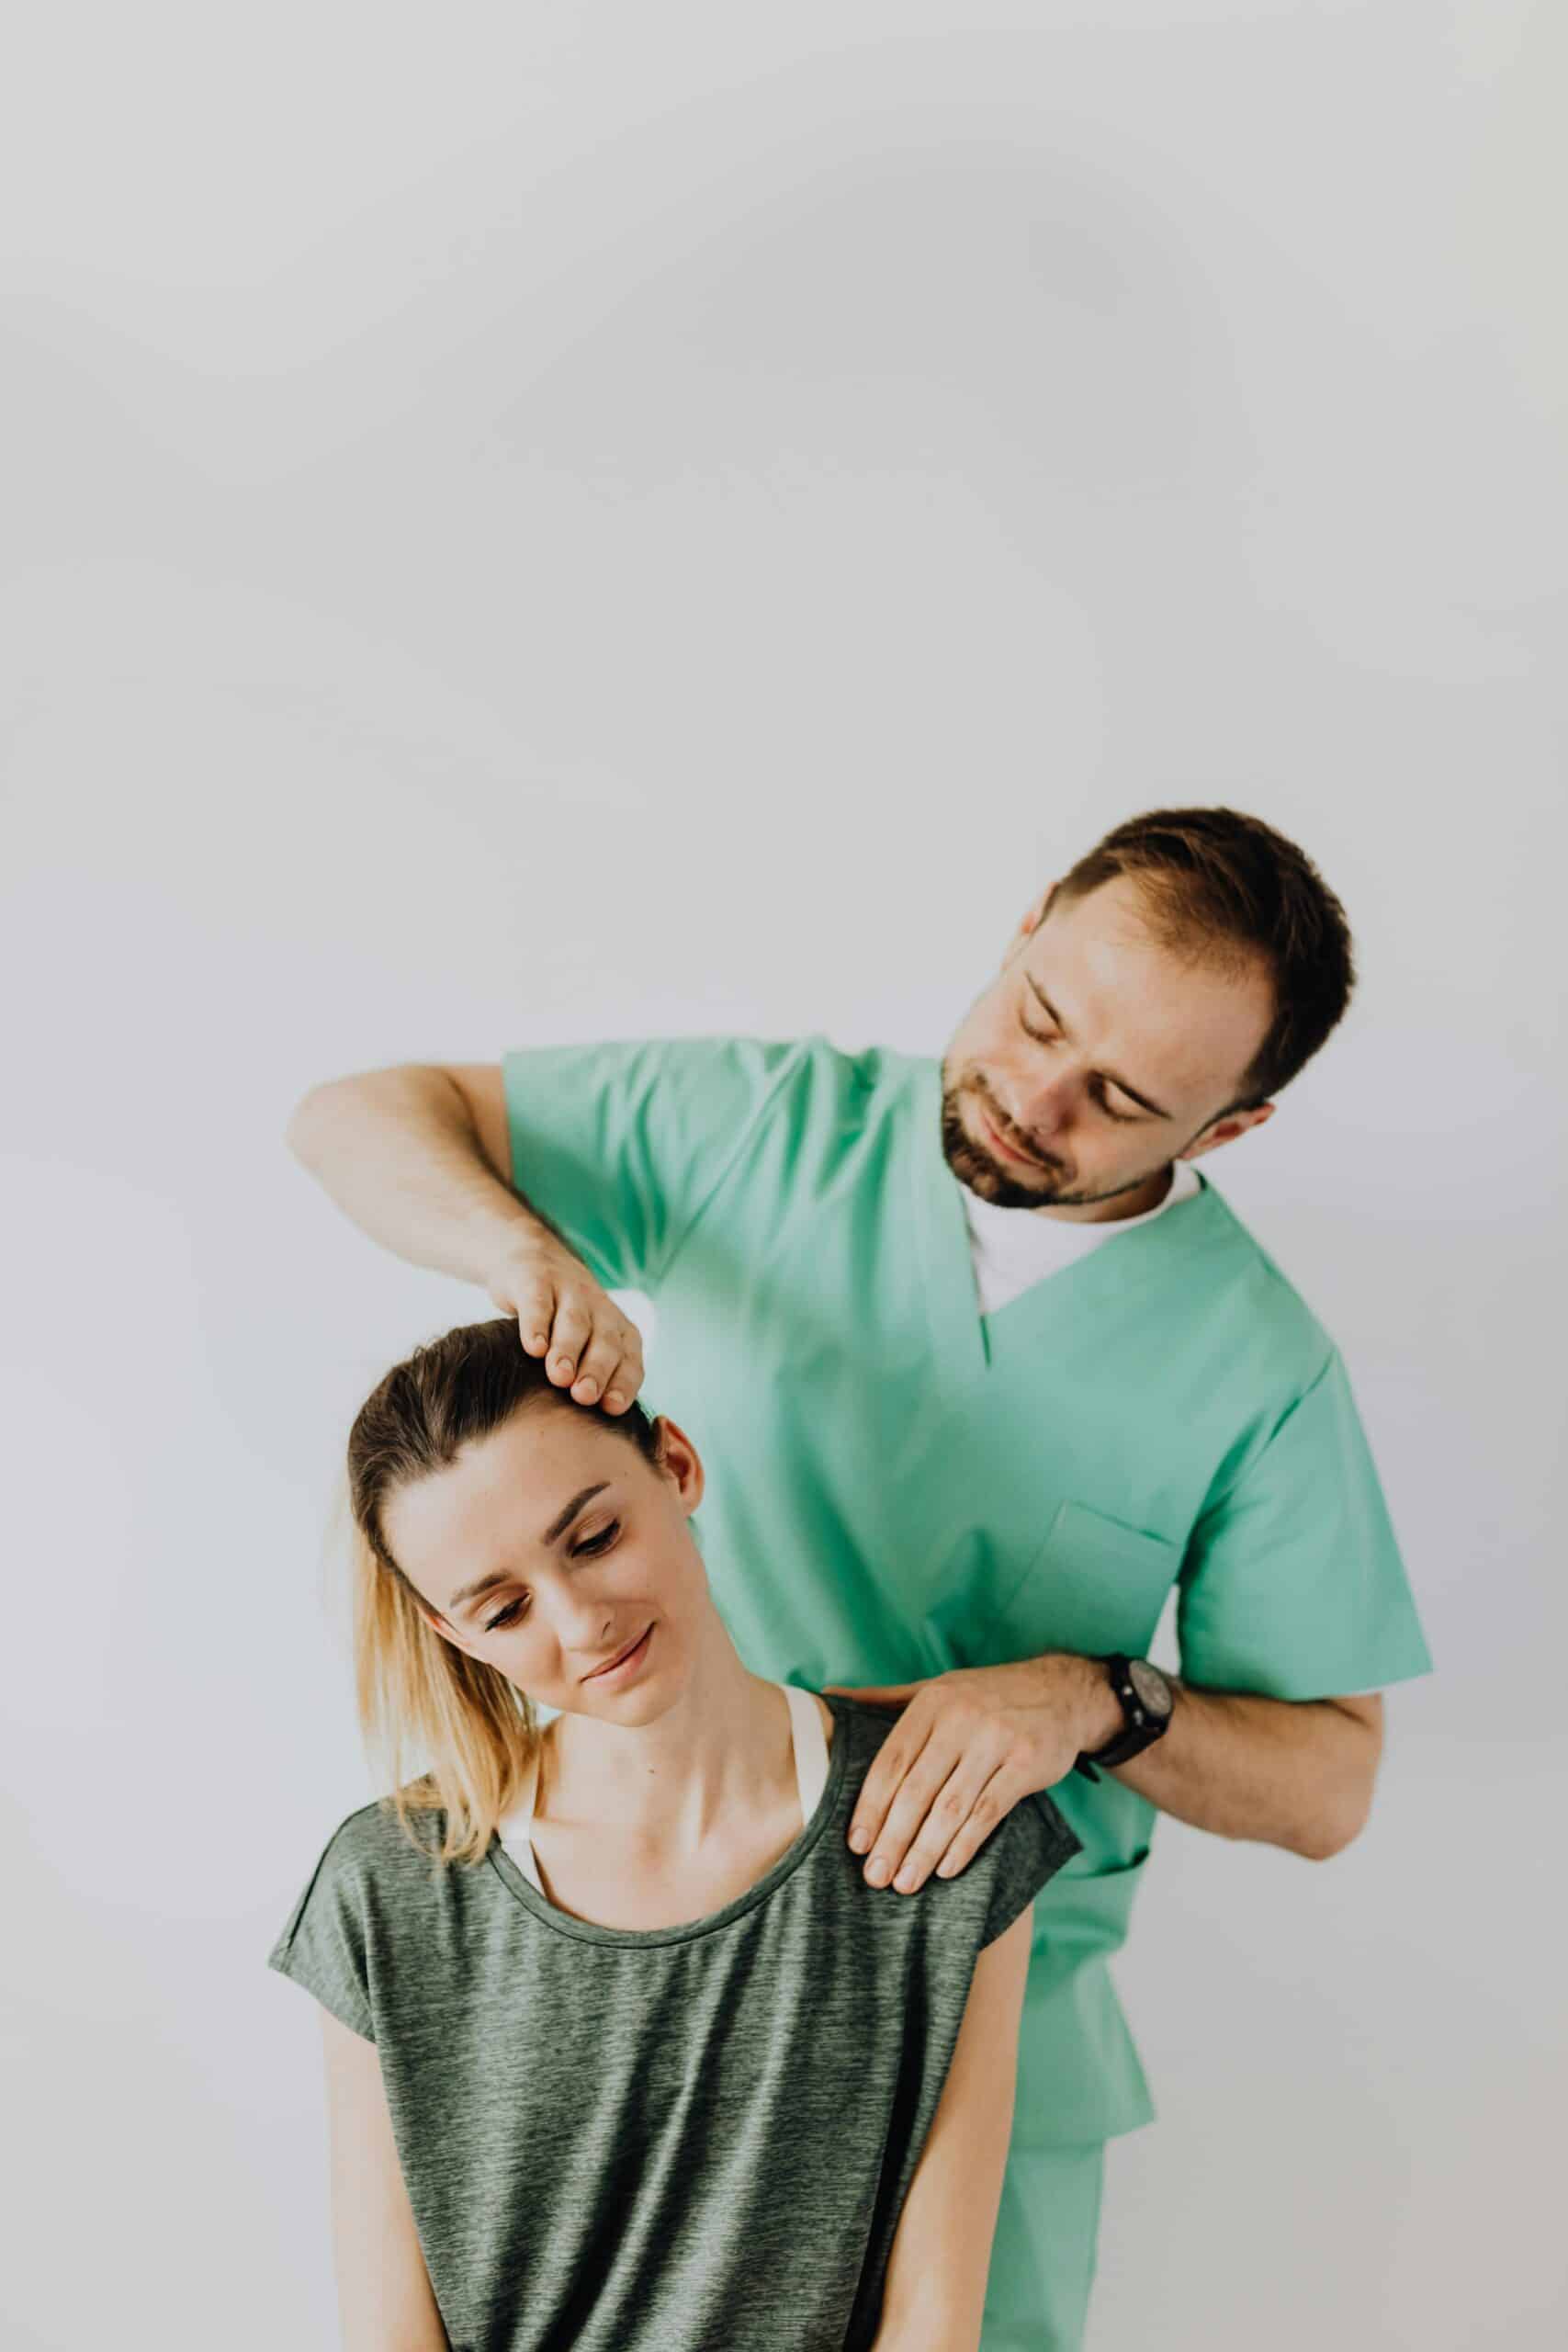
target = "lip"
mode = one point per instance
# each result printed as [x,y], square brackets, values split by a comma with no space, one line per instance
[626,1664]
[1003,1145]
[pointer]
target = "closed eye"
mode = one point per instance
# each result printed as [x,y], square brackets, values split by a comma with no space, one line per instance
[1123,1118]
[1097,1087]
[590,1547]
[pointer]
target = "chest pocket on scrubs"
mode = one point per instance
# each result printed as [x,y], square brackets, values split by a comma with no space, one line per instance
[1095,1584]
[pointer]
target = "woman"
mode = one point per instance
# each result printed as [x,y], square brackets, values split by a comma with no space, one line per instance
[630,2057]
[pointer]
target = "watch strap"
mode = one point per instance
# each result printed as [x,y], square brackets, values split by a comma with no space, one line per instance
[1141,1728]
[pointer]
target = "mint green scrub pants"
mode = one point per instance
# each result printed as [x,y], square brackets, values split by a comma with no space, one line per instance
[1043,2258]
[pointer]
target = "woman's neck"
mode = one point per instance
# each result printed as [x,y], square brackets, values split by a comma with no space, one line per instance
[722,1752]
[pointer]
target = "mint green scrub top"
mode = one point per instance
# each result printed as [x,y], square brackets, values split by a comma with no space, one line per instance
[897,1485]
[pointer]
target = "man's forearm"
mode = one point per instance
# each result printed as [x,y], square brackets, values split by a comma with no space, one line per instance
[398,1151]
[1296,1773]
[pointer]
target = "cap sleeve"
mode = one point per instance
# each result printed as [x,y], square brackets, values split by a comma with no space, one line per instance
[322,1943]
[1028,1848]
[621,1145]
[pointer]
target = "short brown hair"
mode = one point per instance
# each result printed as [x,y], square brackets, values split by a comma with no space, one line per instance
[1218,883]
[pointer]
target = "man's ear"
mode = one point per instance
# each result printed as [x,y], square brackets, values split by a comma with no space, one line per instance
[1225,1130]
[1030,921]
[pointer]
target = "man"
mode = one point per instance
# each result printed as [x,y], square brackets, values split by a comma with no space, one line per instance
[982,1366]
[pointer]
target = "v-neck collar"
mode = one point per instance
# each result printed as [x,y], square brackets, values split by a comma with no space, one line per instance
[970,1340]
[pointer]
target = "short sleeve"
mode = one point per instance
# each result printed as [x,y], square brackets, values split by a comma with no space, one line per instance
[621,1145]
[322,1945]
[1291,1584]
[1027,1850]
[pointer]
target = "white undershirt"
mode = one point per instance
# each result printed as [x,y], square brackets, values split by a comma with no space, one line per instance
[1012,1248]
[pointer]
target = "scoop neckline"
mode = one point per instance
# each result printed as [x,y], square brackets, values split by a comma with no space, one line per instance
[590,1931]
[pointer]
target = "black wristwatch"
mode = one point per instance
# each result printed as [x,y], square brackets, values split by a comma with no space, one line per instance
[1147,1698]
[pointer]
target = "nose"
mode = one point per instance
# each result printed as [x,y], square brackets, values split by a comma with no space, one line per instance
[580,1624]
[1041,1107]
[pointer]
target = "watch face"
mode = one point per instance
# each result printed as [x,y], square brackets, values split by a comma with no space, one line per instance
[1153,1689]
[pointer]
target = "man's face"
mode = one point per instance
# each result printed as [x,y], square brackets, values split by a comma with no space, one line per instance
[1097,1057]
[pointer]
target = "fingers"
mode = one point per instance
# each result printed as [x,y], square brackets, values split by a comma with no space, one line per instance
[588,1345]
[569,1337]
[611,1364]
[995,1802]
[933,1801]
[904,1776]
[626,1375]
[943,1808]
[957,1828]
[534,1303]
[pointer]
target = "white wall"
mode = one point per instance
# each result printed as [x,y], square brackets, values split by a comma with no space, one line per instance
[679,518]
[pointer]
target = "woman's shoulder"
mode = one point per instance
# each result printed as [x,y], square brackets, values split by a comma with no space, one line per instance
[372,1844]
[858,1727]
[1026,1848]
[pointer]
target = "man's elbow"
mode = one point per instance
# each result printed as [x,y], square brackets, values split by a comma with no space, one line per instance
[315,1126]
[300,1120]
[1333,1832]
[1347,1806]
[316,1111]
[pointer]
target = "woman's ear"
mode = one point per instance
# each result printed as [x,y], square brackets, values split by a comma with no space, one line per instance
[678,1461]
[437,1626]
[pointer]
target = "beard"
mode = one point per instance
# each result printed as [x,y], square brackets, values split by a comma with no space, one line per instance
[1003,1182]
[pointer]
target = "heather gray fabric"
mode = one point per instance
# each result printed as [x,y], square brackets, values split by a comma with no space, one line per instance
[689,2138]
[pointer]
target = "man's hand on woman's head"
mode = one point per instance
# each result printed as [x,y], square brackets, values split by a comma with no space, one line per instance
[590,1348]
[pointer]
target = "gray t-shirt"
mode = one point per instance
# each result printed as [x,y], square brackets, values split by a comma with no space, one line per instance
[687,2139]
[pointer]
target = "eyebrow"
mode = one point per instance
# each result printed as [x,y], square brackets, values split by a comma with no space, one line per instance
[558,1526]
[1108,1075]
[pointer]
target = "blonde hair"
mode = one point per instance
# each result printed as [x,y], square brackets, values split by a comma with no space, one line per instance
[480,1731]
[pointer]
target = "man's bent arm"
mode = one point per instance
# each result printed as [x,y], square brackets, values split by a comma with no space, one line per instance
[402,1153]
[1291,1773]
[420,1157]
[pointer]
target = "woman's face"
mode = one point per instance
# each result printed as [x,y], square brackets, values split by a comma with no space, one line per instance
[553,1544]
